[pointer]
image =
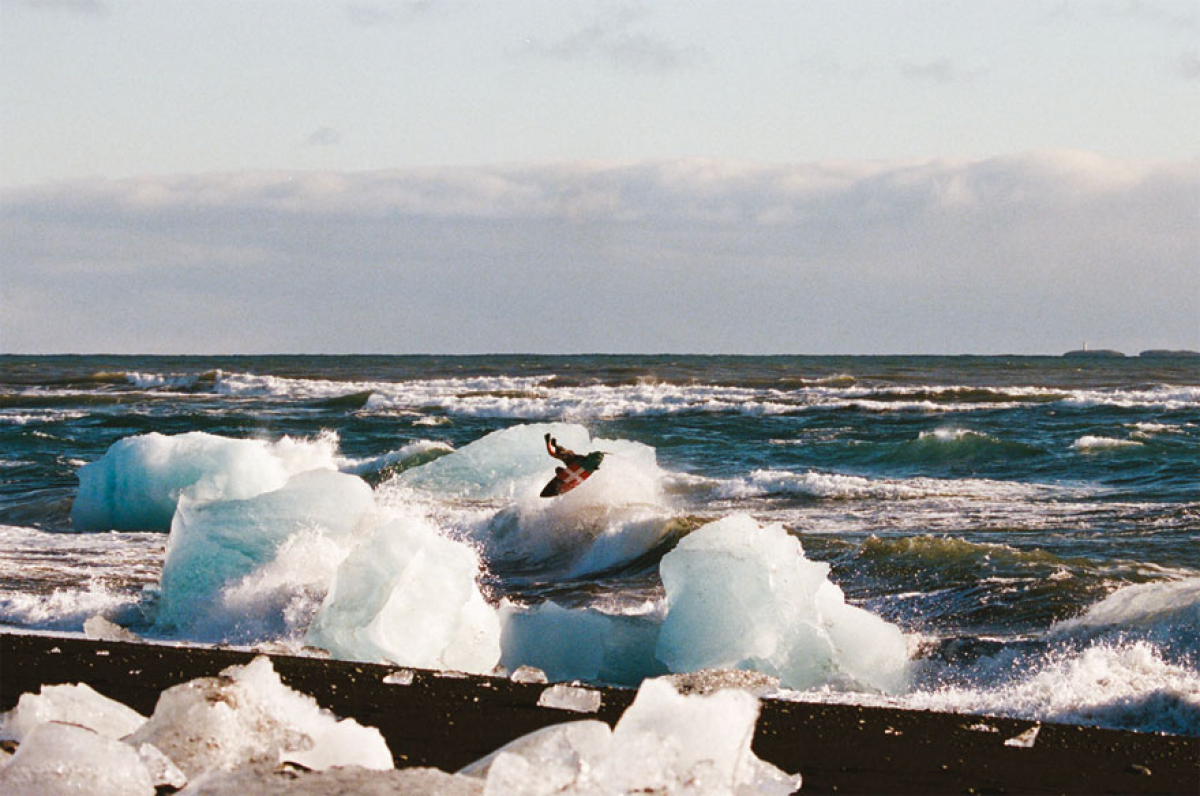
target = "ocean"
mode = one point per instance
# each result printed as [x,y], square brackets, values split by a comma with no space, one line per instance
[1025,528]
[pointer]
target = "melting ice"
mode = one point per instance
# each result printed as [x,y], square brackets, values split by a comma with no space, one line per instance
[230,734]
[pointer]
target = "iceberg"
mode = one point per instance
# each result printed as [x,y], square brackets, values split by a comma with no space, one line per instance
[214,546]
[139,481]
[580,643]
[408,595]
[741,596]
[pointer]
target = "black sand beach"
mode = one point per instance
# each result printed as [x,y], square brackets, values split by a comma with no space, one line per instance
[448,721]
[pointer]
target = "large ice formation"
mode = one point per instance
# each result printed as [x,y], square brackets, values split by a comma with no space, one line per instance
[741,596]
[213,546]
[580,643]
[138,482]
[409,595]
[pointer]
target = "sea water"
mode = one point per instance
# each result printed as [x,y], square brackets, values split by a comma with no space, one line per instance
[1008,535]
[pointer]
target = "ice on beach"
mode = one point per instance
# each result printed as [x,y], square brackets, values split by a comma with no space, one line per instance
[569,697]
[57,758]
[265,780]
[213,546]
[138,482]
[98,627]
[741,596]
[664,743]
[76,704]
[409,595]
[247,714]
[580,643]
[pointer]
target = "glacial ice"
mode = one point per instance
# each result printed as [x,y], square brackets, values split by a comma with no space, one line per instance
[580,643]
[76,704]
[213,545]
[138,482]
[247,714]
[664,743]
[409,595]
[231,735]
[741,596]
[57,758]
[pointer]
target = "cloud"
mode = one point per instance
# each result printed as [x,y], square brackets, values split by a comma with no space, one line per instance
[613,41]
[941,70]
[324,136]
[376,15]
[1187,66]
[1024,253]
[81,7]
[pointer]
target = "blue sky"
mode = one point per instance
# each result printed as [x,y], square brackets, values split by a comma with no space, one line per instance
[440,176]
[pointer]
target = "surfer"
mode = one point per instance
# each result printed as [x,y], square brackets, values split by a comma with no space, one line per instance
[575,469]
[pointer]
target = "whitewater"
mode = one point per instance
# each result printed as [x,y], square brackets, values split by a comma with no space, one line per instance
[1011,536]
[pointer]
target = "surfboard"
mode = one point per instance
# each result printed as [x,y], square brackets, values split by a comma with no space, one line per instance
[568,477]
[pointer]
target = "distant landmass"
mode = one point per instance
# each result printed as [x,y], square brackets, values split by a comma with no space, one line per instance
[1153,353]
[1097,353]
[1163,353]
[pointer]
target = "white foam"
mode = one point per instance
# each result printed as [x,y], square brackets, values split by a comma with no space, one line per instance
[1121,685]
[139,481]
[833,486]
[741,596]
[1168,609]
[1090,443]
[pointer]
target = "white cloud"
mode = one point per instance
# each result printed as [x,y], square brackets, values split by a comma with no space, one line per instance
[1015,254]
[615,41]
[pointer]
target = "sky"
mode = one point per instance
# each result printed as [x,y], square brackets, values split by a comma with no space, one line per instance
[442,176]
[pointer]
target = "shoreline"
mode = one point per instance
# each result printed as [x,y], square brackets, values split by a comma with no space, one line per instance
[447,720]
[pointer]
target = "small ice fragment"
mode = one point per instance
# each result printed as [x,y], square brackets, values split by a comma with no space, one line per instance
[981,727]
[569,697]
[399,677]
[528,674]
[67,759]
[97,627]
[1026,739]
[709,681]
[75,704]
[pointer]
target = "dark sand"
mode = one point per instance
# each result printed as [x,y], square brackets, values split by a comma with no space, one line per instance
[449,721]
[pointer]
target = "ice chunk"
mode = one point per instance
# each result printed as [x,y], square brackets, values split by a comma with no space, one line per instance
[549,760]
[664,743]
[246,715]
[694,744]
[528,674]
[214,546]
[75,704]
[569,697]
[741,596]
[67,759]
[408,595]
[1025,740]
[136,485]
[98,627]
[580,644]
